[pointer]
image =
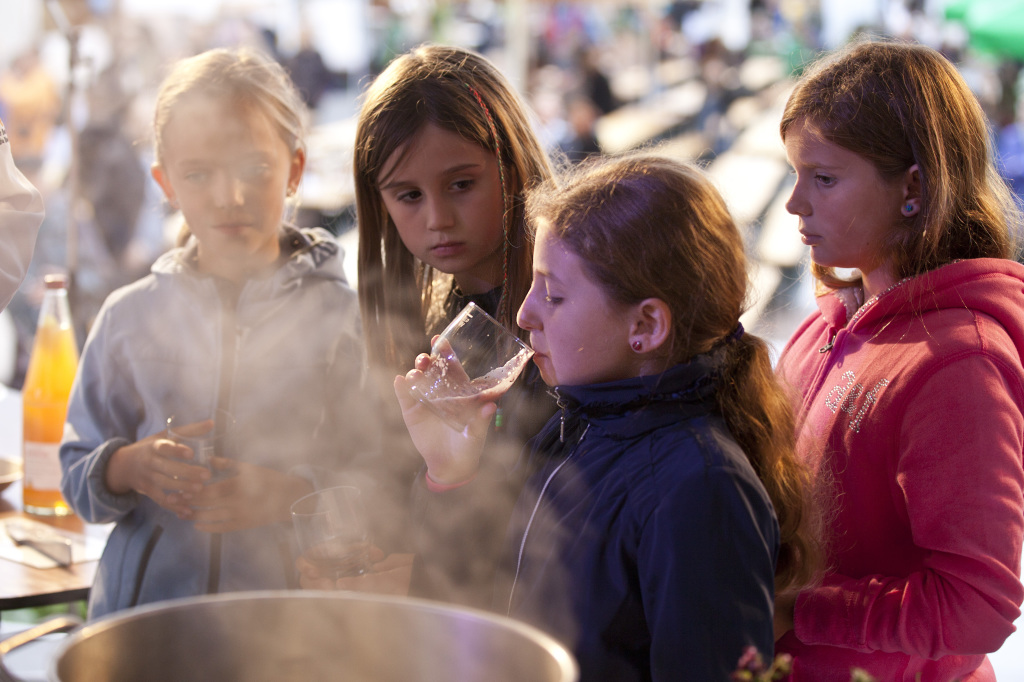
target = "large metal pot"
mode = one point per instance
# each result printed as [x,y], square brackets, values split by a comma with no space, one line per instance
[304,635]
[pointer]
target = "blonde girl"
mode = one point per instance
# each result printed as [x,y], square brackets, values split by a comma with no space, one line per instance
[248,328]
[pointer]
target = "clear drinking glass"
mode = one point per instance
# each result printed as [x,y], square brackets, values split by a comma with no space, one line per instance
[332,531]
[475,359]
[204,444]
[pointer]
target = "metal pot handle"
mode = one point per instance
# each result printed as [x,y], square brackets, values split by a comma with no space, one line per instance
[58,623]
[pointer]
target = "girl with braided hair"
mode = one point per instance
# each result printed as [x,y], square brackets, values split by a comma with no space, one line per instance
[444,153]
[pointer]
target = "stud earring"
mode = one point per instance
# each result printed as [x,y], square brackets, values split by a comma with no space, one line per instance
[908,209]
[637,346]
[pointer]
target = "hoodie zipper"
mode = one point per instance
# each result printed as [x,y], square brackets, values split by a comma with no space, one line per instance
[536,506]
[825,368]
[562,405]
[231,341]
[859,313]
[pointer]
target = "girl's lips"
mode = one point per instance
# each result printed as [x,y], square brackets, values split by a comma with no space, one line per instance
[544,367]
[810,239]
[232,228]
[448,249]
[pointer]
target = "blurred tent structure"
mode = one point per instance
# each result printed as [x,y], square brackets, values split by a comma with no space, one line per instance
[993,26]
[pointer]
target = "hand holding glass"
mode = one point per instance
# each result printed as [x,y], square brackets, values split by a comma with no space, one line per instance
[332,531]
[474,360]
[204,444]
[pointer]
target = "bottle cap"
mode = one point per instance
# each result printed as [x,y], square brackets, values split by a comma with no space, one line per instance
[56,281]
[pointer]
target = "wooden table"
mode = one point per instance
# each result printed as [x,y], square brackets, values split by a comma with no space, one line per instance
[23,586]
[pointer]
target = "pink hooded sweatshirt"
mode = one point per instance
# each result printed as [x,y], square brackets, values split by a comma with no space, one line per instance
[911,414]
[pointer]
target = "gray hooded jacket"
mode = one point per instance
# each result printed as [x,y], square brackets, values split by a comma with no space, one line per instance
[283,356]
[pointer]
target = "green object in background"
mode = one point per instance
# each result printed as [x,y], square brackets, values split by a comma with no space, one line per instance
[957,9]
[993,26]
[37,614]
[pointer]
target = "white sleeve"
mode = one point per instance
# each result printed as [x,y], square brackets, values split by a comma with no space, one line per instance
[21,214]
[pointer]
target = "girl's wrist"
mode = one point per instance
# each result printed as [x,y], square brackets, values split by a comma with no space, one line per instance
[118,472]
[447,483]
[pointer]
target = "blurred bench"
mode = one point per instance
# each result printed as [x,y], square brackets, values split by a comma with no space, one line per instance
[635,125]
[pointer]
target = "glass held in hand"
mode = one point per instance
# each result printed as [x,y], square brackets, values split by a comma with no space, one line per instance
[205,443]
[474,360]
[332,531]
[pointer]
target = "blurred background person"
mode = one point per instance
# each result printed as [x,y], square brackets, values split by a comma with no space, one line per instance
[31,105]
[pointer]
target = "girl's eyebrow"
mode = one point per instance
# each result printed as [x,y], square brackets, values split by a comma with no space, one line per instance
[251,157]
[545,275]
[813,159]
[818,165]
[256,155]
[399,182]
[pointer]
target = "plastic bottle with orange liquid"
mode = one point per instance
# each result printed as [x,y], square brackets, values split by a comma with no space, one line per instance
[51,370]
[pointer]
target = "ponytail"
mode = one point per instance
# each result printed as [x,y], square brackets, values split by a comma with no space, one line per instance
[692,257]
[759,415]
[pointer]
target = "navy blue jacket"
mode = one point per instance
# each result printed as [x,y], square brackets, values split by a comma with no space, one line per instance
[642,537]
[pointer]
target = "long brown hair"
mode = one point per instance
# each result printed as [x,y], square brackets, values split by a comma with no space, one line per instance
[461,92]
[646,226]
[898,104]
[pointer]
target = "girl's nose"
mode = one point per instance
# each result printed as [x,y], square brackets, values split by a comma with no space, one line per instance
[796,204]
[228,191]
[525,318]
[440,215]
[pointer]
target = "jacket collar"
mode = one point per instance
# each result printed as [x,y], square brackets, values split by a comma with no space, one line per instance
[639,404]
[306,251]
[992,285]
[457,300]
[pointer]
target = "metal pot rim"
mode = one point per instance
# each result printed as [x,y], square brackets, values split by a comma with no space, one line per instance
[559,653]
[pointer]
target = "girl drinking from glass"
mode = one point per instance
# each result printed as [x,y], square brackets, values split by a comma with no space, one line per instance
[662,504]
